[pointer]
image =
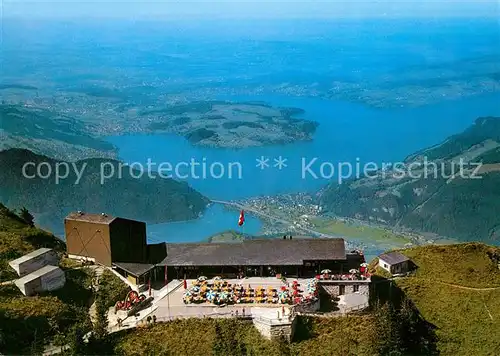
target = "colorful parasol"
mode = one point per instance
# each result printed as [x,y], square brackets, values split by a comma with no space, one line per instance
[211,295]
[283,294]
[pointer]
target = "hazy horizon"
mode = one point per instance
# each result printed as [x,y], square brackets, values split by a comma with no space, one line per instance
[256,9]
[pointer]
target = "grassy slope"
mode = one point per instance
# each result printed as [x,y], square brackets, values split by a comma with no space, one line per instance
[359,232]
[468,264]
[112,288]
[467,321]
[17,239]
[352,335]
[314,336]
[27,323]
[192,337]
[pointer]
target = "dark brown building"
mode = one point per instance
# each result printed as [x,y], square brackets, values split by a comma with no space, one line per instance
[105,239]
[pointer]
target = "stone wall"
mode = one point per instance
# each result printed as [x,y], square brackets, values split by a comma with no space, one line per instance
[272,330]
[333,287]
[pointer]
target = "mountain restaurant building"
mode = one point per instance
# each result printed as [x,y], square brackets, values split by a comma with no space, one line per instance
[299,257]
[121,244]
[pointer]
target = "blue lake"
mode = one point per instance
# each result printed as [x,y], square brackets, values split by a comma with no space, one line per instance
[151,60]
[348,132]
[215,219]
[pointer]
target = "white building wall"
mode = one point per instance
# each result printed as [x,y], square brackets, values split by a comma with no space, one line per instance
[384,265]
[348,287]
[49,281]
[23,268]
[395,268]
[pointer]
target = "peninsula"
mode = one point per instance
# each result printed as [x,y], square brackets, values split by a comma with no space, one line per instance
[60,129]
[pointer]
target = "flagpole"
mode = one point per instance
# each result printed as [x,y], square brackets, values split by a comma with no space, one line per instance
[241,222]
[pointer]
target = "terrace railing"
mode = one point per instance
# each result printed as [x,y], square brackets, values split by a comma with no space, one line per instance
[345,277]
[287,319]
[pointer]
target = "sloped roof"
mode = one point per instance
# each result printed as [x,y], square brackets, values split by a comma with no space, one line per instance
[30,256]
[136,269]
[93,218]
[393,257]
[264,252]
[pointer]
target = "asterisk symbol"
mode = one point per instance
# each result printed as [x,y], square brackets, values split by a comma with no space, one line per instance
[280,162]
[262,162]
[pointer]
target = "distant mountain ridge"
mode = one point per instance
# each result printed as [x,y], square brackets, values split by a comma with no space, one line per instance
[440,203]
[148,199]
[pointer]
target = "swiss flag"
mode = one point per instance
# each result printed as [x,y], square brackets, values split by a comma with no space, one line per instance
[241,220]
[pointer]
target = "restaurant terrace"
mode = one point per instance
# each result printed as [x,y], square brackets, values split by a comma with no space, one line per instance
[298,257]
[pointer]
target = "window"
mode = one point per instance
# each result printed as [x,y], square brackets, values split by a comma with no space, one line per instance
[385,265]
[341,290]
[355,288]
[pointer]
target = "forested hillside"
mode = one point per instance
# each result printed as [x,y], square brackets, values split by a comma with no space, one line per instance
[148,199]
[433,195]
